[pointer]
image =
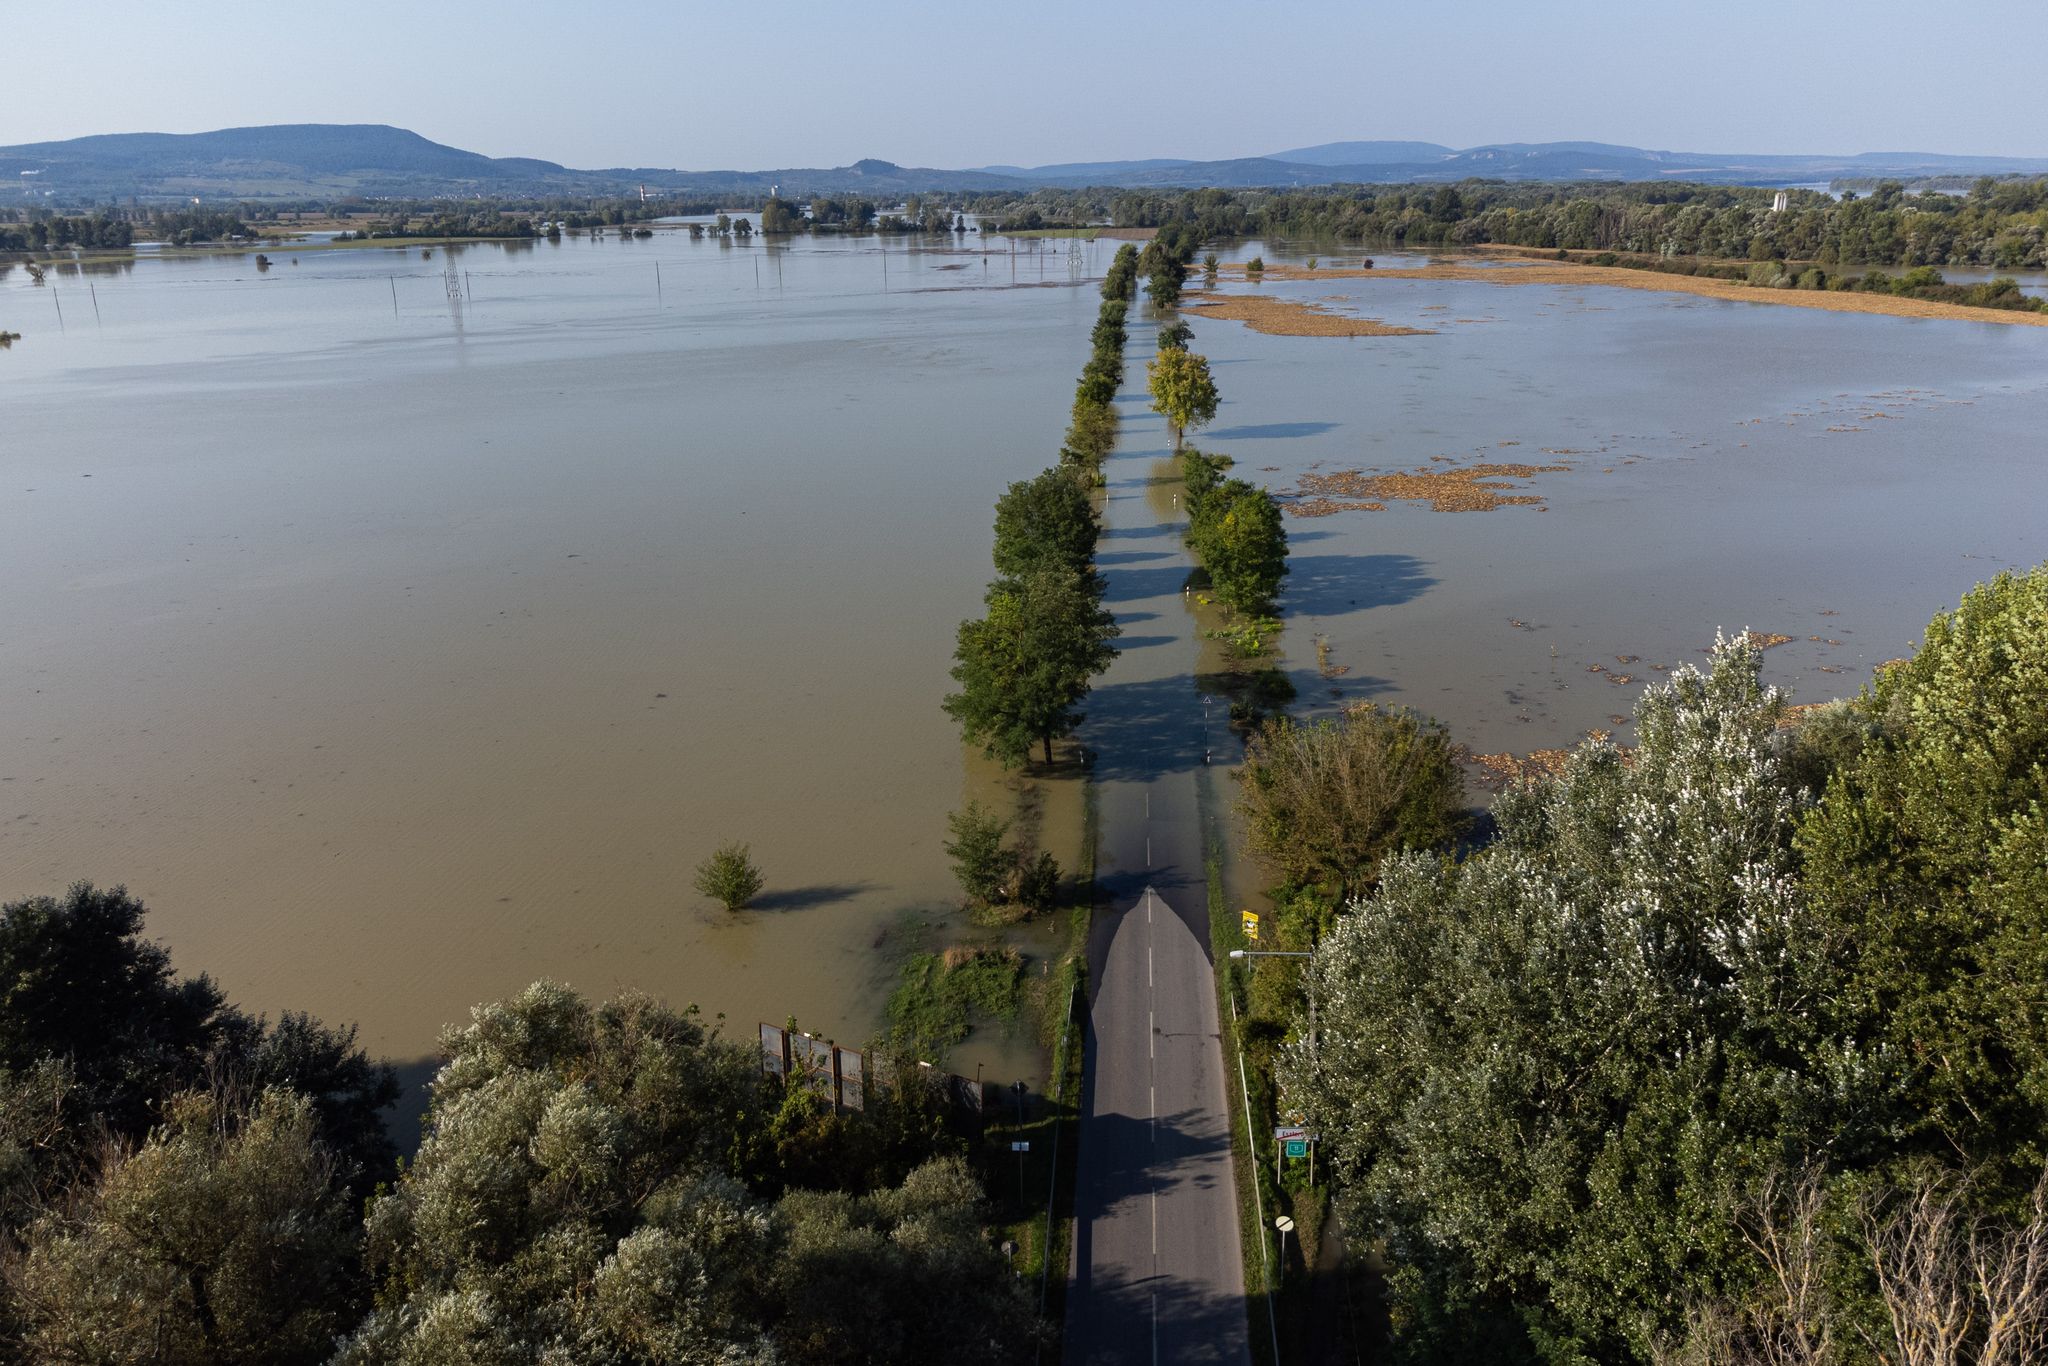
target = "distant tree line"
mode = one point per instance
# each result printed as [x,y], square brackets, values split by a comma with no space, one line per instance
[51,232]
[1999,224]
[850,213]
[183,1184]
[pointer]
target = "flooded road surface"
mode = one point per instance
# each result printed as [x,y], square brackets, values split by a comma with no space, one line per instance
[1158,1270]
[396,661]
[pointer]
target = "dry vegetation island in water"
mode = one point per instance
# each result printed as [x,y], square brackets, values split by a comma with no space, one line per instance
[1292,317]
[1499,270]
[1472,488]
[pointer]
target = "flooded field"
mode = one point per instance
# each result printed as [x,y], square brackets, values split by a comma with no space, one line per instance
[1515,522]
[397,657]
[403,628]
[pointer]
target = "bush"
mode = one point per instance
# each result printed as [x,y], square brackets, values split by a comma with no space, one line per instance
[1324,803]
[1038,882]
[984,868]
[729,876]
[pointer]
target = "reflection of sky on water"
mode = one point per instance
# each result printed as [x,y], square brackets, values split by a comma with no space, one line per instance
[1731,465]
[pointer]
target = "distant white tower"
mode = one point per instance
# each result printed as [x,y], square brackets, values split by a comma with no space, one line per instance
[1782,202]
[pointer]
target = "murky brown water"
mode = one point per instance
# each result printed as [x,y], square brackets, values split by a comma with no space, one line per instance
[399,660]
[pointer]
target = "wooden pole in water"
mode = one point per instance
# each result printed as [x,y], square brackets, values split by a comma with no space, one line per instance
[394,296]
[757,272]
[60,307]
[465,286]
[95,300]
[657,282]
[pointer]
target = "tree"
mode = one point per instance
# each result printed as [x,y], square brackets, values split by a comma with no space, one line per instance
[1048,520]
[1545,1074]
[1175,336]
[583,1195]
[898,1276]
[1324,803]
[779,216]
[1182,391]
[1238,534]
[984,868]
[571,1192]
[1925,857]
[225,1238]
[729,877]
[1091,435]
[1024,667]
[80,984]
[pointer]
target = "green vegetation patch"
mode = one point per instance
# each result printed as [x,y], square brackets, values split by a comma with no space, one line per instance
[941,994]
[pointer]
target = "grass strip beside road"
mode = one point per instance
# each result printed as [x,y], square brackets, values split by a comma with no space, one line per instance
[1250,1101]
[1039,1213]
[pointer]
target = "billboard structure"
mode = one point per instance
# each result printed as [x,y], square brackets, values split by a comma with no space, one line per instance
[844,1077]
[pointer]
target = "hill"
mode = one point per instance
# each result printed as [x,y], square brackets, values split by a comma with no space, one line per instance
[316,160]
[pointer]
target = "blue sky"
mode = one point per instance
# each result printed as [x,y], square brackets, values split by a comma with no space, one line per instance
[802,82]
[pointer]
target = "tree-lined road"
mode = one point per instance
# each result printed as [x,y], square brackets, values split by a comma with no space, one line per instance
[1157,1272]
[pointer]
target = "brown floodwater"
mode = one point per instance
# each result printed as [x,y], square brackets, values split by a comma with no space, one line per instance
[405,629]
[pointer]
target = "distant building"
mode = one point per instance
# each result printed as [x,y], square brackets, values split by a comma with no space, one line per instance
[1782,202]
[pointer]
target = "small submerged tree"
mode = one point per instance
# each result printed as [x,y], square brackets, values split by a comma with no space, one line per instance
[980,862]
[729,876]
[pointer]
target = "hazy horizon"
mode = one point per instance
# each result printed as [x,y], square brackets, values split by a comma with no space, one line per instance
[701,87]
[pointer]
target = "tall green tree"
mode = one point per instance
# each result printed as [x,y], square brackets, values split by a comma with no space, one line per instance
[571,1191]
[1928,858]
[79,983]
[1024,668]
[1182,391]
[1049,520]
[1547,1074]
[1239,535]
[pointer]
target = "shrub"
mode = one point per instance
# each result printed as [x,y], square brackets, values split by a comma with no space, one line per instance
[729,876]
[984,868]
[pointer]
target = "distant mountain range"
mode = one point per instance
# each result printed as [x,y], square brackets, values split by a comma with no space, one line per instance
[318,160]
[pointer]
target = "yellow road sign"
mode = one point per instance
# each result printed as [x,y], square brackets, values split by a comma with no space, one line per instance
[1251,925]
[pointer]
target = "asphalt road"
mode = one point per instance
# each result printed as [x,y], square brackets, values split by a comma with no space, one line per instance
[1157,1272]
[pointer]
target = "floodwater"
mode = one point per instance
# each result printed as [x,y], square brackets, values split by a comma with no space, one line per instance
[403,629]
[1727,466]
[406,628]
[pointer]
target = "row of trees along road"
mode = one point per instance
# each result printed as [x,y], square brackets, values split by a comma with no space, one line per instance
[1024,667]
[183,1185]
[1731,1047]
